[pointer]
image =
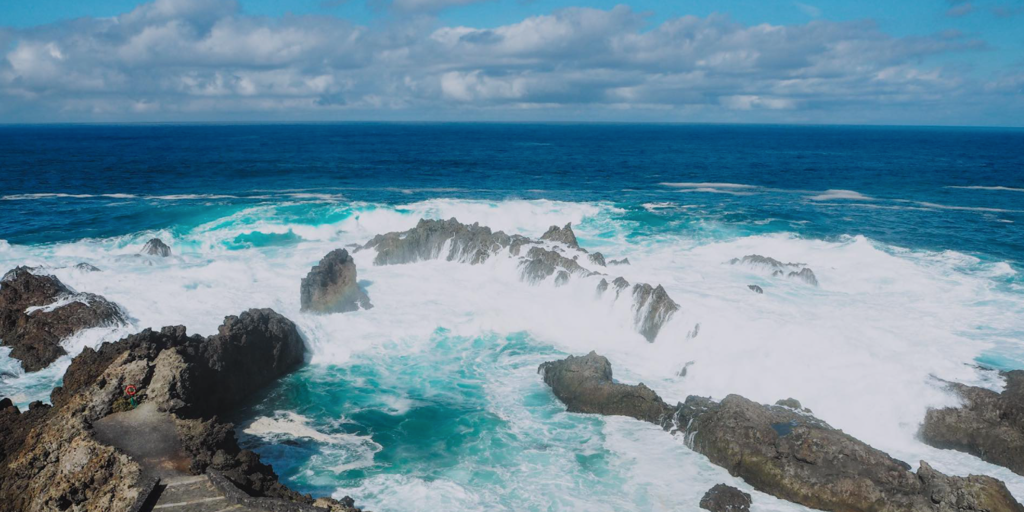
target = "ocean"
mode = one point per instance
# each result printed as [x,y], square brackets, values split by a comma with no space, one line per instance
[432,400]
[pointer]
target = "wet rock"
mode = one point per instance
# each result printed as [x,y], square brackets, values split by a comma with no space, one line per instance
[562,235]
[725,498]
[765,261]
[584,384]
[460,242]
[85,267]
[755,288]
[623,261]
[805,275]
[788,454]
[693,332]
[541,263]
[597,259]
[156,247]
[989,425]
[652,308]
[332,286]
[37,312]
[620,284]
[794,404]
[602,286]
[686,368]
[561,278]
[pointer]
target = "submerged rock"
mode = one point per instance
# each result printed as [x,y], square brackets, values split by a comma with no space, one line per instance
[561,278]
[755,288]
[597,259]
[156,247]
[805,275]
[623,261]
[584,384]
[602,286]
[37,312]
[85,267]
[652,308]
[766,261]
[725,498]
[788,454]
[562,235]
[332,286]
[989,425]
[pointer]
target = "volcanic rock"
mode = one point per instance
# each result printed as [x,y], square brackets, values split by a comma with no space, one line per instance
[989,425]
[332,286]
[156,247]
[725,498]
[37,312]
[652,308]
[562,235]
[584,384]
[464,243]
[541,263]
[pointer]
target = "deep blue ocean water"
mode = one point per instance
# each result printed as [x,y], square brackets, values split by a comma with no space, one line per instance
[432,399]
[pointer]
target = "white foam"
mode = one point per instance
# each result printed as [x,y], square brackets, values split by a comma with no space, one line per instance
[356,451]
[840,194]
[707,185]
[997,187]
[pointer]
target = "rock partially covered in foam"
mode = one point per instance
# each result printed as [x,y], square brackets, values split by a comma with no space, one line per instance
[540,263]
[623,261]
[778,450]
[156,247]
[806,275]
[85,267]
[597,259]
[989,425]
[652,308]
[440,239]
[563,235]
[755,288]
[37,312]
[725,498]
[332,287]
[584,384]
[778,268]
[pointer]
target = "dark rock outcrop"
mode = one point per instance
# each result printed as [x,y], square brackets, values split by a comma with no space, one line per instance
[725,498]
[85,267]
[623,261]
[597,259]
[778,450]
[332,287]
[652,308]
[778,268]
[584,384]
[37,312]
[989,425]
[51,459]
[755,288]
[156,247]
[460,242]
[541,263]
[563,235]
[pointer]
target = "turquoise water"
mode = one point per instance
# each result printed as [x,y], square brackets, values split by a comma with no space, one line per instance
[431,399]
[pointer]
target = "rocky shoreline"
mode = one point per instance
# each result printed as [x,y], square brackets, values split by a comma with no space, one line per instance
[781,449]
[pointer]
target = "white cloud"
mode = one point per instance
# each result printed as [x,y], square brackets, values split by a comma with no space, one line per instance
[183,59]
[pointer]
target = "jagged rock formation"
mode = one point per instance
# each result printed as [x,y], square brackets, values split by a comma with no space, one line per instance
[623,261]
[37,312]
[156,247]
[454,241]
[780,451]
[85,267]
[778,268]
[652,308]
[989,425]
[584,384]
[725,498]
[447,239]
[562,235]
[332,287]
[52,459]
[755,288]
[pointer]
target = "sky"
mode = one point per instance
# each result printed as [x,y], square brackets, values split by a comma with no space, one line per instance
[905,62]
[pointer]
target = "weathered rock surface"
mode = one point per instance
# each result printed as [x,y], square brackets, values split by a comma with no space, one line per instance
[563,235]
[156,247]
[989,425]
[541,263]
[37,312]
[332,286]
[652,308]
[778,268]
[725,498]
[584,384]
[52,459]
[779,450]
[597,259]
[623,261]
[460,242]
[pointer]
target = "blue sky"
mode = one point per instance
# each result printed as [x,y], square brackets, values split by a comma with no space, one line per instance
[932,62]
